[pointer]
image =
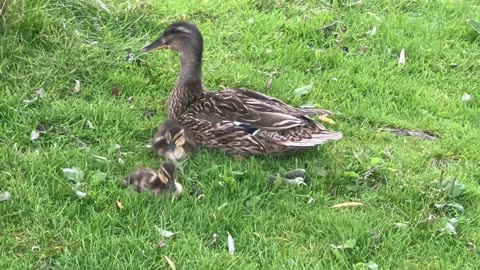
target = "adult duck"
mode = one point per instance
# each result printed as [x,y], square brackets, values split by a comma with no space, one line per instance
[237,121]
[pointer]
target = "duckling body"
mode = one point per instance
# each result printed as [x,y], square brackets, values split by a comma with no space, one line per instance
[157,182]
[173,141]
[237,121]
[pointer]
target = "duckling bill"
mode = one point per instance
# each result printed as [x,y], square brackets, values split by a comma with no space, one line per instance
[157,182]
[172,141]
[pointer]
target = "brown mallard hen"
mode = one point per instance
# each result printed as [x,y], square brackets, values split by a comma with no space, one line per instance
[237,121]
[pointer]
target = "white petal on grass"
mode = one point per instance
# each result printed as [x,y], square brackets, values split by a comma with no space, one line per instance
[402,59]
[302,90]
[373,31]
[466,97]
[231,244]
[5,196]
[34,135]
[74,174]
[164,233]
[76,88]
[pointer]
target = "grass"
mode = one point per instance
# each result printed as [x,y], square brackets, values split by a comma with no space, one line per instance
[50,44]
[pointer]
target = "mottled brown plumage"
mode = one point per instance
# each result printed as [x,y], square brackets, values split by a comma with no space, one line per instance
[158,182]
[172,141]
[237,121]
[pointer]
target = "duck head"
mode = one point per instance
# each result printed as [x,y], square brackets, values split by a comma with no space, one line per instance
[179,36]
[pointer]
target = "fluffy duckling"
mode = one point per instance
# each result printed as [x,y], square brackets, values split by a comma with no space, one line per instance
[156,182]
[172,141]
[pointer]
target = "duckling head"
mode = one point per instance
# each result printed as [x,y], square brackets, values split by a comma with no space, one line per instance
[180,36]
[167,176]
[171,141]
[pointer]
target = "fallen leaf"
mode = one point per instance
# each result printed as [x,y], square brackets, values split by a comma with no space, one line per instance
[348,204]
[89,124]
[80,194]
[269,83]
[292,174]
[162,243]
[34,135]
[164,233]
[466,97]
[170,263]
[74,174]
[119,204]
[231,244]
[300,181]
[214,240]
[115,91]
[5,196]
[326,120]
[401,225]
[222,206]
[452,188]
[349,244]
[103,5]
[474,24]
[101,158]
[372,265]
[302,90]
[40,92]
[450,226]
[402,59]
[76,88]
[406,132]
[98,177]
[454,205]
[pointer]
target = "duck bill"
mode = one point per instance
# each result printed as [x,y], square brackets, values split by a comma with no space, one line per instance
[156,45]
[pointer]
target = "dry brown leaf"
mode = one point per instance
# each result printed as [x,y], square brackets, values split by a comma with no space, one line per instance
[348,204]
[115,91]
[119,204]
[170,263]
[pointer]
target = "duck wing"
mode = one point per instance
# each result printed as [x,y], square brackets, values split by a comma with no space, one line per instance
[255,110]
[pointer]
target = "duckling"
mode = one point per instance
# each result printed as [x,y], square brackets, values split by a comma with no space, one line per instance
[157,182]
[173,141]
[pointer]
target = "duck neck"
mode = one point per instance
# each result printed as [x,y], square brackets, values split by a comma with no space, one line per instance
[189,84]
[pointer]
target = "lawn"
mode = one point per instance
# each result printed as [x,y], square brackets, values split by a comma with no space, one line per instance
[76,92]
